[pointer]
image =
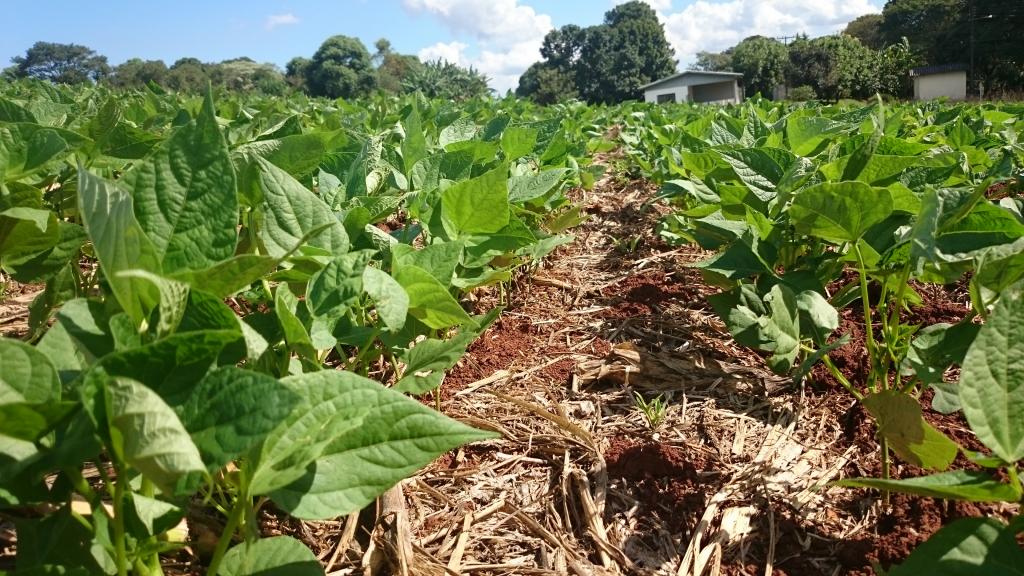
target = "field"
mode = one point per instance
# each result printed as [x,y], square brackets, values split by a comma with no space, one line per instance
[248,335]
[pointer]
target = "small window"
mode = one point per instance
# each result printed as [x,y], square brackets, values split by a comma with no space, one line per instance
[665,98]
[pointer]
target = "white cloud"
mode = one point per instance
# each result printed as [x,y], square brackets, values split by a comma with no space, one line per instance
[449,51]
[715,26]
[508,36]
[275,20]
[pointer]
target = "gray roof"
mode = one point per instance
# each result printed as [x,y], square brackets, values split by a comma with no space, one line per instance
[937,69]
[685,72]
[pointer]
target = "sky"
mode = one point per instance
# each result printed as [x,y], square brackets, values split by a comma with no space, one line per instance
[500,38]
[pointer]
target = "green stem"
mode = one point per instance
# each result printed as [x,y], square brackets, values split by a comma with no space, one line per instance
[237,512]
[835,373]
[884,446]
[865,301]
[118,521]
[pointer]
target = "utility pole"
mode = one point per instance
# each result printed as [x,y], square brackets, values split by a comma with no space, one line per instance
[974,18]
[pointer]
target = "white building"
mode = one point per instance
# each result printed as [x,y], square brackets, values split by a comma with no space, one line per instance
[942,81]
[696,86]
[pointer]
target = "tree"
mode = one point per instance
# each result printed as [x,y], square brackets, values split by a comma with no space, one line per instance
[187,75]
[893,69]
[714,61]
[61,63]
[626,52]
[546,84]
[393,68]
[834,67]
[562,46]
[341,68]
[929,26]
[136,73]
[867,29]
[763,62]
[447,81]
[295,72]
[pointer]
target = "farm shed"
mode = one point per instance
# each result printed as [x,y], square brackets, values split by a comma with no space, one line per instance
[942,81]
[694,86]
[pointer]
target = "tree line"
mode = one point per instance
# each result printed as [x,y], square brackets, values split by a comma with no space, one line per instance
[874,54]
[341,68]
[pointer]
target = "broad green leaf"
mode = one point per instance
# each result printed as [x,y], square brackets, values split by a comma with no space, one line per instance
[153,516]
[388,296]
[231,410]
[26,375]
[840,211]
[290,212]
[339,285]
[967,547]
[59,538]
[526,187]
[967,485]
[807,133]
[30,421]
[817,316]
[185,196]
[761,169]
[119,243]
[429,301]
[25,233]
[427,361]
[377,437]
[414,145]
[147,435]
[937,347]
[171,366]
[458,131]
[295,334]
[518,141]
[440,259]
[173,299]
[277,556]
[992,380]
[50,262]
[477,205]
[899,420]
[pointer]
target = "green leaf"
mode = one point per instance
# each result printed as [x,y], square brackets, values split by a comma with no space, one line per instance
[277,556]
[185,196]
[478,205]
[25,233]
[427,361]
[339,285]
[388,296]
[840,211]
[295,333]
[525,187]
[414,145]
[26,375]
[899,420]
[440,259]
[966,547]
[52,261]
[761,169]
[429,301]
[992,380]
[119,243]
[147,435]
[289,212]
[955,485]
[375,437]
[153,516]
[817,316]
[518,141]
[231,410]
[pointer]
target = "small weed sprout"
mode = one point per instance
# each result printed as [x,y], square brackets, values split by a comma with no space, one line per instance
[653,410]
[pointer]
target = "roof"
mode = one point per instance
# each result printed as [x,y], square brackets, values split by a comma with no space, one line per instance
[685,72]
[937,69]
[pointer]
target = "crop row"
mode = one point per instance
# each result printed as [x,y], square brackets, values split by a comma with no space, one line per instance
[809,211]
[239,296]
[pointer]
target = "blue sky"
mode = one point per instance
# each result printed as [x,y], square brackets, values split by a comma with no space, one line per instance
[499,37]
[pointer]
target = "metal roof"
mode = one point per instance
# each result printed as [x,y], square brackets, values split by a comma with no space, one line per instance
[685,72]
[937,69]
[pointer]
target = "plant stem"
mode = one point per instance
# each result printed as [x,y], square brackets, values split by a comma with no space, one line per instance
[118,521]
[865,301]
[237,511]
[884,444]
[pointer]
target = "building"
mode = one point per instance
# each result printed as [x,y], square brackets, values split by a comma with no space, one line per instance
[942,81]
[696,86]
